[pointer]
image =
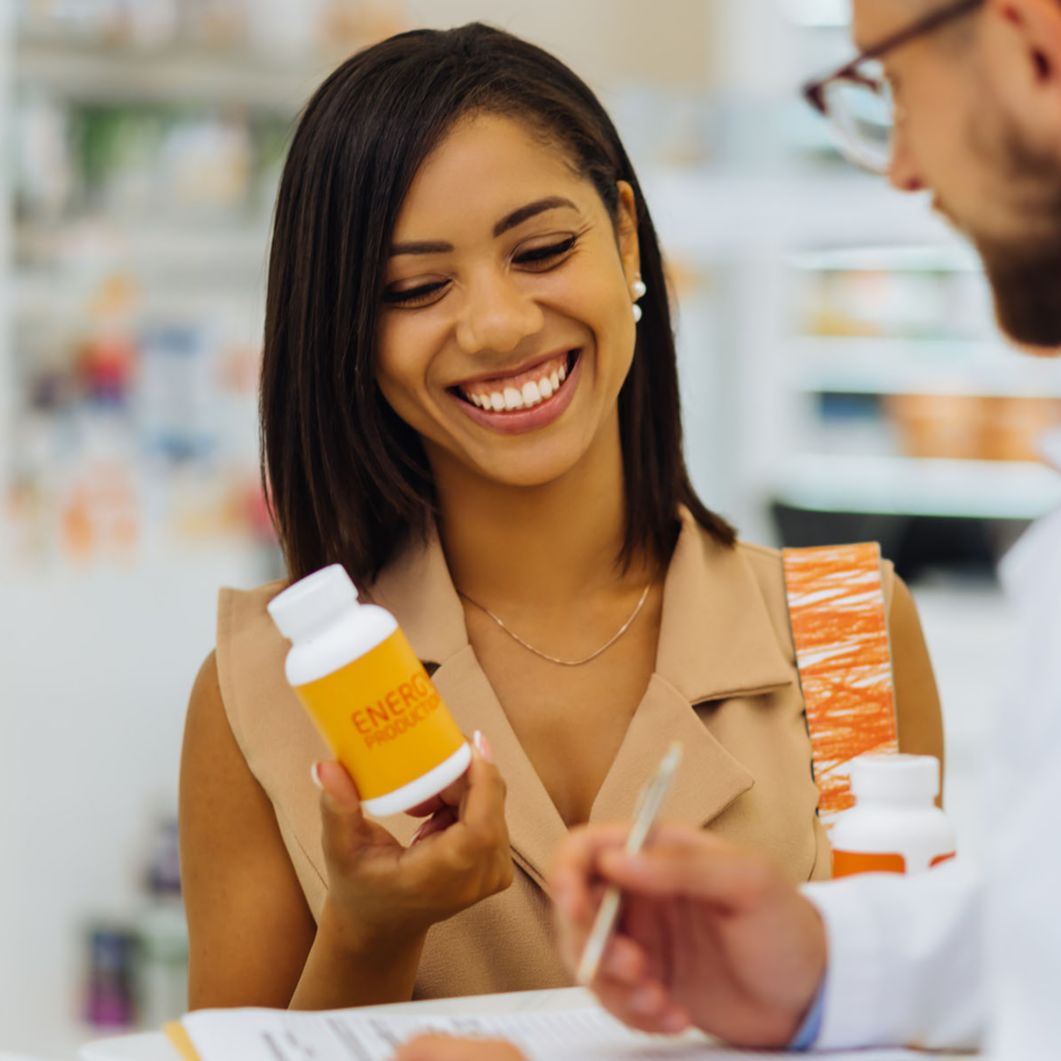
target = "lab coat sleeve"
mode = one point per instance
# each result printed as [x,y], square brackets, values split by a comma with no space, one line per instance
[906,963]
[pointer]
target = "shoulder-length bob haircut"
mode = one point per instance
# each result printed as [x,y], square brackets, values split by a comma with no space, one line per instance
[348,480]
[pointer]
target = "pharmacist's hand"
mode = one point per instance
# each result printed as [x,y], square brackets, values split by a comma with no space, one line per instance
[448,1048]
[380,891]
[708,935]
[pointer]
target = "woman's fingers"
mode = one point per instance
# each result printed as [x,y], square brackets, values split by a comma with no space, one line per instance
[346,831]
[449,797]
[447,1048]
[482,810]
[340,803]
[439,822]
[428,807]
[336,784]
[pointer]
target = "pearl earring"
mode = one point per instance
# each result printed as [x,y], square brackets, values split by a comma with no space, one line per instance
[638,290]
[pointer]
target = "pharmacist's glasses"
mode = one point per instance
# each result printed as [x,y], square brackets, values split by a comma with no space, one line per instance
[857,99]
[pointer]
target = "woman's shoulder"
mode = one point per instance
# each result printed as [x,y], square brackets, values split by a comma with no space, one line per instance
[250,649]
[766,564]
[244,610]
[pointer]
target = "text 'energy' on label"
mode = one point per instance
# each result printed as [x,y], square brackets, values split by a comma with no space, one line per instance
[397,711]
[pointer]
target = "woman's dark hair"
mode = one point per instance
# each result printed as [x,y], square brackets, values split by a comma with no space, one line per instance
[348,480]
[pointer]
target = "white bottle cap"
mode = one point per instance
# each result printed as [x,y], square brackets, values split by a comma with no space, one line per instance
[895,778]
[308,606]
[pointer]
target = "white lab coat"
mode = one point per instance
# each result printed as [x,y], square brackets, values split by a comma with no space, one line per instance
[952,959]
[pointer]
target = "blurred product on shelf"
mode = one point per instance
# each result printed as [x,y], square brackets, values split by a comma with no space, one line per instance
[277,27]
[910,302]
[973,427]
[161,968]
[130,427]
[128,163]
[936,425]
[109,1001]
[137,969]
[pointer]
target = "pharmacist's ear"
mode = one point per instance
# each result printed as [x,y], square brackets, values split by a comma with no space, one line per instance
[626,232]
[1022,43]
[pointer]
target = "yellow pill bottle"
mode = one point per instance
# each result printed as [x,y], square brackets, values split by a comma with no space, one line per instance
[378,711]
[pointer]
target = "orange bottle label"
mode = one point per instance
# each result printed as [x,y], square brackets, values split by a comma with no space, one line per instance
[848,863]
[383,718]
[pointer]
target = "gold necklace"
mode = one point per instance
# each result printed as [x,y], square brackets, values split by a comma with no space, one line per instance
[555,659]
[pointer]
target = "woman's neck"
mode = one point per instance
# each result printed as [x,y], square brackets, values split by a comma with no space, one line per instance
[507,545]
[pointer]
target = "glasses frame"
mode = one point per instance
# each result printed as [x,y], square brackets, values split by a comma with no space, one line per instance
[815,92]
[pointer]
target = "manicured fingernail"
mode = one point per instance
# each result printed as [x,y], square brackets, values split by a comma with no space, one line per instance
[420,832]
[483,745]
[315,775]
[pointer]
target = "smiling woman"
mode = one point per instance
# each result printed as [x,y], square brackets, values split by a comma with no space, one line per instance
[470,399]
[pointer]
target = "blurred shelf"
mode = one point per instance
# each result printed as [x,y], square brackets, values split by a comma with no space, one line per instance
[918,487]
[179,74]
[919,366]
[707,214]
[227,255]
[954,255]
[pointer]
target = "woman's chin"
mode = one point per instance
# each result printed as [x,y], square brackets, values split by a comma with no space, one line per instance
[529,471]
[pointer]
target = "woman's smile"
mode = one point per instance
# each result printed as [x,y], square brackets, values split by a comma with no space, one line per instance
[527,399]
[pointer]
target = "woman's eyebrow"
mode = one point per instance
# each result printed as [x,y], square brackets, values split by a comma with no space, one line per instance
[434,247]
[509,221]
[525,213]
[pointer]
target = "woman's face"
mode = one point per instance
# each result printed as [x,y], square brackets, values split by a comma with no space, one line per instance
[507,329]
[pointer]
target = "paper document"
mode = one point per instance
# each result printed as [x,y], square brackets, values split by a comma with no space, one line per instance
[545,1035]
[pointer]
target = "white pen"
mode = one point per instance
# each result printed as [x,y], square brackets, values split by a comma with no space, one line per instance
[648,807]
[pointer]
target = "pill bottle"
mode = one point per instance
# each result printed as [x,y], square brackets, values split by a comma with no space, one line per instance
[357,675]
[895,825]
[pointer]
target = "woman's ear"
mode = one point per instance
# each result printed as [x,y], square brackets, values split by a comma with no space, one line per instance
[626,227]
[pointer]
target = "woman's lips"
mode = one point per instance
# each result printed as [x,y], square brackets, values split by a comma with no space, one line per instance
[519,420]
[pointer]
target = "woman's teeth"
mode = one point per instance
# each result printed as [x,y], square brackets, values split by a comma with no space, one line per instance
[501,399]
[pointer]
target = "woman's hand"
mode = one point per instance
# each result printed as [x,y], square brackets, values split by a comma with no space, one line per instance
[709,934]
[448,1048]
[380,892]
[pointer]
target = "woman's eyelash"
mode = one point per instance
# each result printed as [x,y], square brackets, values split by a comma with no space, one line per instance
[543,254]
[425,292]
[414,294]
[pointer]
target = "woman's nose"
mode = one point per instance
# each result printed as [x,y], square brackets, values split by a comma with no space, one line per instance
[497,316]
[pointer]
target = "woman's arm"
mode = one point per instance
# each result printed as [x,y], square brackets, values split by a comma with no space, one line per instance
[249,924]
[916,696]
[253,938]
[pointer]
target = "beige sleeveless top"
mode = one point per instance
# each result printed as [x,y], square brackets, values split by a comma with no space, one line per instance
[725,684]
